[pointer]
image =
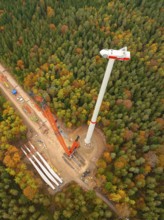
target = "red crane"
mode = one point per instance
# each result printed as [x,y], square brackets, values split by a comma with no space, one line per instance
[48,114]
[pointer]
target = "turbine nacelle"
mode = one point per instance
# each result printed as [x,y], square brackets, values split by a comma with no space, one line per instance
[121,54]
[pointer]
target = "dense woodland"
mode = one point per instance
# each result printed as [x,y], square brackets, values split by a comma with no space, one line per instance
[52,47]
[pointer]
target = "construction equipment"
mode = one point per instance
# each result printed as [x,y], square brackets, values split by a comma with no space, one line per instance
[50,118]
[3,78]
[74,145]
[14,91]
[53,122]
[27,108]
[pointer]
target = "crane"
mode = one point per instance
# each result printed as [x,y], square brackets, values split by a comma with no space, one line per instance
[74,145]
[50,117]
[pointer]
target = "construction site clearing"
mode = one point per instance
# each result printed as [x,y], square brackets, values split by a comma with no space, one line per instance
[63,150]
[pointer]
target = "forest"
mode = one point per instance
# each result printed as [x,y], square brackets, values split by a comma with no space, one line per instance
[52,48]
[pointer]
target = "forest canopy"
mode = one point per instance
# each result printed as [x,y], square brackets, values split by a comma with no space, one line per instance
[52,47]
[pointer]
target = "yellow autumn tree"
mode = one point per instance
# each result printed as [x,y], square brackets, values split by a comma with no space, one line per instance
[8,161]
[114,197]
[120,163]
[12,157]
[107,156]
[50,12]
[101,164]
[52,26]
[147,169]
[161,160]
[20,64]
[29,192]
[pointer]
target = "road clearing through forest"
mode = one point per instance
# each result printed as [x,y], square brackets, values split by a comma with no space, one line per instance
[52,151]
[52,145]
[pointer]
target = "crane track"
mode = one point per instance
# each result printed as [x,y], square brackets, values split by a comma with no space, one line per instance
[72,161]
[80,158]
[67,162]
[76,161]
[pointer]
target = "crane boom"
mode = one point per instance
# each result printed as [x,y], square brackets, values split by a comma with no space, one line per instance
[52,122]
[48,114]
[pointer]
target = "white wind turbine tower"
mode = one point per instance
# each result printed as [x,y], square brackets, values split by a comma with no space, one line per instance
[112,55]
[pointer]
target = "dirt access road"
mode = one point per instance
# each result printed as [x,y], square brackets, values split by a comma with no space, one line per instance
[52,146]
[52,150]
